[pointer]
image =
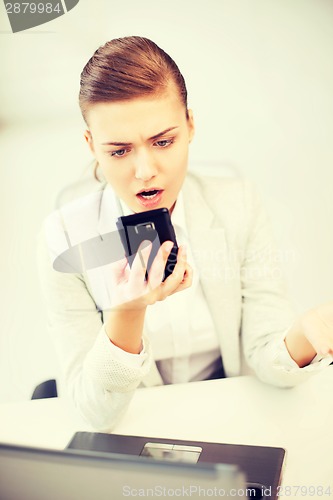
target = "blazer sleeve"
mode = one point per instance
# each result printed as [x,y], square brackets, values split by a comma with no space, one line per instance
[267,312]
[97,378]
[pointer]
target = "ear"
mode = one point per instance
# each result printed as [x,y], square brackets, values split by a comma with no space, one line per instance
[89,139]
[190,124]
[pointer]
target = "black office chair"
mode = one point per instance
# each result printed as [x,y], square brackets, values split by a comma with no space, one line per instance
[47,389]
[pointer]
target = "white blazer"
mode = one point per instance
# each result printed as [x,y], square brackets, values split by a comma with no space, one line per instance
[234,252]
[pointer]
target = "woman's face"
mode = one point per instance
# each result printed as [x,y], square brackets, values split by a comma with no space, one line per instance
[141,146]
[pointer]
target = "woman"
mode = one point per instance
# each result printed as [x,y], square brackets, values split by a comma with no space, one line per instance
[113,329]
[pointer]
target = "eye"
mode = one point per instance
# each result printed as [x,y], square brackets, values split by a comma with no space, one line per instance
[119,152]
[164,143]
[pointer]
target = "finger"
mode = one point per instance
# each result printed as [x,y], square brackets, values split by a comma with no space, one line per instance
[139,266]
[178,274]
[156,271]
[327,351]
[188,277]
[187,280]
[322,341]
[118,271]
[323,348]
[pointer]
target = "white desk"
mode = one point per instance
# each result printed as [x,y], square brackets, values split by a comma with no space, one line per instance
[236,410]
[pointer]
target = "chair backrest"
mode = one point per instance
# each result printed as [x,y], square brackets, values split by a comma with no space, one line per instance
[47,389]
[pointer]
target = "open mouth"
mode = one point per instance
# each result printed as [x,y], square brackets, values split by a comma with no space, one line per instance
[148,195]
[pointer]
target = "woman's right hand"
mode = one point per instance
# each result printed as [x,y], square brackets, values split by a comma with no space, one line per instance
[130,289]
[132,293]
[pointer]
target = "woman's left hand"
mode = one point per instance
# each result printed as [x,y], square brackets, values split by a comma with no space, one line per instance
[311,334]
[318,328]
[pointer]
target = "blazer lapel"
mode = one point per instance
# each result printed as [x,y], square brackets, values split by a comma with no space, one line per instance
[217,271]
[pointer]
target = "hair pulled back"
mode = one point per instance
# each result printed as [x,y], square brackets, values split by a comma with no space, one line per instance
[128,68]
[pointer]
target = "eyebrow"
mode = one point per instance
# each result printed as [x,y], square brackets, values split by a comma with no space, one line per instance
[156,136]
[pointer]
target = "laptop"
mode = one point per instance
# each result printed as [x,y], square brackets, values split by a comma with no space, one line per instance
[262,465]
[43,474]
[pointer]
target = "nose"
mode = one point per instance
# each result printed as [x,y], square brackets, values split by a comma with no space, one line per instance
[145,168]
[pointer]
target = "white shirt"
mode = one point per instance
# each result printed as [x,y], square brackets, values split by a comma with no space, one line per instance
[180,328]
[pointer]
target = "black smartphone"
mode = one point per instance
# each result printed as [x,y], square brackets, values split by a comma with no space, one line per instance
[153,225]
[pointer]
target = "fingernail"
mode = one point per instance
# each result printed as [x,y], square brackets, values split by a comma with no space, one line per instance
[168,246]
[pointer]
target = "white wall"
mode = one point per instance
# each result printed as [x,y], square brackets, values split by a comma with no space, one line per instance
[260,81]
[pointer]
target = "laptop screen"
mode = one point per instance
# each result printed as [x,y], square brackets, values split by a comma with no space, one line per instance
[42,474]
